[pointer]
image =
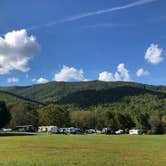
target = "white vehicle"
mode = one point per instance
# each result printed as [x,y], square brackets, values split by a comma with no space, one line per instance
[135,132]
[63,130]
[98,131]
[119,132]
[49,129]
[106,131]
[91,131]
[6,130]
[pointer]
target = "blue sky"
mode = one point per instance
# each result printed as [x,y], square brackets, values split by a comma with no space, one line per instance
[80,40]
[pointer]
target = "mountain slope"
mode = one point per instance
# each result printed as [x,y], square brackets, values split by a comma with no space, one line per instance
[16,97]
[80,93]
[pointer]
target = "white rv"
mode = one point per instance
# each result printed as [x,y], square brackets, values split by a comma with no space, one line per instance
[135,132]
[48,129]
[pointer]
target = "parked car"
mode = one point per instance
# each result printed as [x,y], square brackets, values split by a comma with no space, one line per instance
[63,130]
[24,128]
[119,131]
[107,131]
[73,130]
[90,131]
[6,130]
[98,132]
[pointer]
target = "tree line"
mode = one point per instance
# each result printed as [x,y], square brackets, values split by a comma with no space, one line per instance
[95,117]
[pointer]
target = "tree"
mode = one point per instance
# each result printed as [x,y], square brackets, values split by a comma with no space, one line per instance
[128,123]
[156,125]
[23,114]
[5,116]
[100,119]
[83,119]
[142,121]
[163,121]
[53,115]
[109,119]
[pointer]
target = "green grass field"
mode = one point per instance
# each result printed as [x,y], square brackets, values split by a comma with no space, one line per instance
[67,150]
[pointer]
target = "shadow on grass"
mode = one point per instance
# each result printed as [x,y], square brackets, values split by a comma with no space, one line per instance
[16,134]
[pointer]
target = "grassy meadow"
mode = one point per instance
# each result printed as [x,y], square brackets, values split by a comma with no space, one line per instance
[83,150]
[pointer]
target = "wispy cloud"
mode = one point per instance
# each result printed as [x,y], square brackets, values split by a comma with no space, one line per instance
[44,25]
[130,5]
[108,25]
[89,14]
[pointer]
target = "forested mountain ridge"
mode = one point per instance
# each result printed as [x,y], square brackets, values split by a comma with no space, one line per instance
[14,96]
[82,94]
[93,104]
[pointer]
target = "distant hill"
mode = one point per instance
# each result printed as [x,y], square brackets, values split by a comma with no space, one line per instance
[81,94]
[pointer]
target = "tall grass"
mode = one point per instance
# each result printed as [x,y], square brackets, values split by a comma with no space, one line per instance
[101,150]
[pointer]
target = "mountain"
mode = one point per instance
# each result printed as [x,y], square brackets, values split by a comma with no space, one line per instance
[81,94]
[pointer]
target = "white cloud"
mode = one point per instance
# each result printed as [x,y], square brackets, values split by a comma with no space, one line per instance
[106,76]
[12,80]
[154,54]
[69,74]
[141,72]
[41,80]
[16,49]
[122,74]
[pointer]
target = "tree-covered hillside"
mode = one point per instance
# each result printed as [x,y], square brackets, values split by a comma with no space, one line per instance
[82,94]
[94,104]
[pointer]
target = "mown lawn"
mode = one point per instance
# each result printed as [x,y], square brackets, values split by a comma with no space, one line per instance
[85,150]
